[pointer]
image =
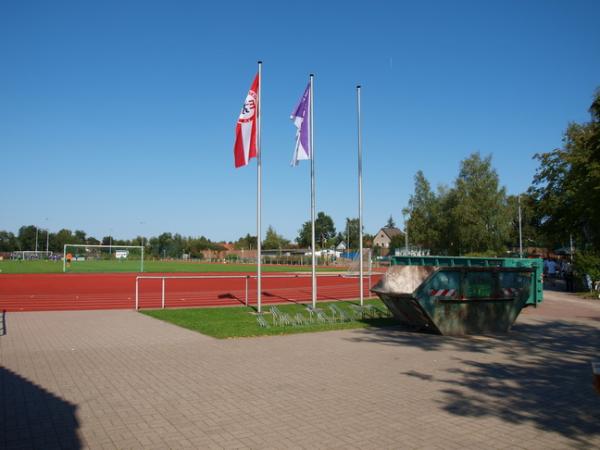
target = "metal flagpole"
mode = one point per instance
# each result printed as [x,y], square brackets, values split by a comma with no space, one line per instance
[520,231]
[360,202]
[258,191]
[312,195]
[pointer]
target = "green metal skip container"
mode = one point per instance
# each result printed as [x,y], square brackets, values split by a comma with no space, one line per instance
[460,295]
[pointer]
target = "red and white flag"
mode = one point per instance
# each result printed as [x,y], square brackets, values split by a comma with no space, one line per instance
[246,129]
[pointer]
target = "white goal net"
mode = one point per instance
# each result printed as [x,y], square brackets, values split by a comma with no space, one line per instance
[31,255]
[354,267]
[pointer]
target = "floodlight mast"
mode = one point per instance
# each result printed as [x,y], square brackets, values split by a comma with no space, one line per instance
[47,235]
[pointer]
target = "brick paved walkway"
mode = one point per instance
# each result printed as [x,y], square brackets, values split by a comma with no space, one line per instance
[117,379]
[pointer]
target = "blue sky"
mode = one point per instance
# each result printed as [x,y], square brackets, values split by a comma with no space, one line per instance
[118,117]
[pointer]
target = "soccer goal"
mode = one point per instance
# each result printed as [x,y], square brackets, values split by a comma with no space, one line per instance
[28,255]
[91,258]
[354,268]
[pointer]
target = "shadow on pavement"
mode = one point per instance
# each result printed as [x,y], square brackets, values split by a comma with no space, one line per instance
[31,417]
[542,374]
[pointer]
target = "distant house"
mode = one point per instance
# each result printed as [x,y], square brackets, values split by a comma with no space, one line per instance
[384,237]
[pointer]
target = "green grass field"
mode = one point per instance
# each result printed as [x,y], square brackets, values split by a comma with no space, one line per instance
[102,266]
[234,322]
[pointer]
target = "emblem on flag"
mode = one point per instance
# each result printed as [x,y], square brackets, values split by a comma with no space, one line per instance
[246,146]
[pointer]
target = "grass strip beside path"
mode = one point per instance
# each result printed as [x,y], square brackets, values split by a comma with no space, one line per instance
[236,321]
[594,295]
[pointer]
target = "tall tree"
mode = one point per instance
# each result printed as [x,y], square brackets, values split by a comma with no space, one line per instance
[26,237]
[390,223]
[470,217]
[566,186]
[246,243]
[64,236]
[165,244]
[324,230]
[424,224]
[480,213]
[530,225]
[8,241]
[92,241]
[351,232]
[79,237]
[397,241]
[274,240]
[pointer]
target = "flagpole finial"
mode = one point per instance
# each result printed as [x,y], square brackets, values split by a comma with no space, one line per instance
[259,61]
[358,86]
[311,75]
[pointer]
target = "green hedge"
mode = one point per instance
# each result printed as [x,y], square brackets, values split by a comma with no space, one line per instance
[587,263]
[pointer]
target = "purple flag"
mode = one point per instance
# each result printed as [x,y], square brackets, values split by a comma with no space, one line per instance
[301,118]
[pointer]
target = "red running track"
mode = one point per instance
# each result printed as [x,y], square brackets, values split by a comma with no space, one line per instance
[53,292]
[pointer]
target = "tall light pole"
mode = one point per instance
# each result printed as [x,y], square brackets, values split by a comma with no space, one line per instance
[571,246]
[405,233]
[36,238]
[142,223]
[47,237]
[348,238]
[520,231]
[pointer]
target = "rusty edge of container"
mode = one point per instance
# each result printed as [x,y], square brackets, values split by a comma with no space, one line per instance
[596,375]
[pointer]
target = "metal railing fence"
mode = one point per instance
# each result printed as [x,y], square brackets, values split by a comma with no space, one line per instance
[247,279]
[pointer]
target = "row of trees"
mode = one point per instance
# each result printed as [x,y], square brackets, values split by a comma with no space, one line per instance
[565,193]
[28,235]
[476,216]
[164,245]
[473,216]
[168,245]
[273,240]
[325,235]
[174,245]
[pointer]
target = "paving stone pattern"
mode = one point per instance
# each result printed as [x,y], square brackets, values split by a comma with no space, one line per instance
[118,379]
